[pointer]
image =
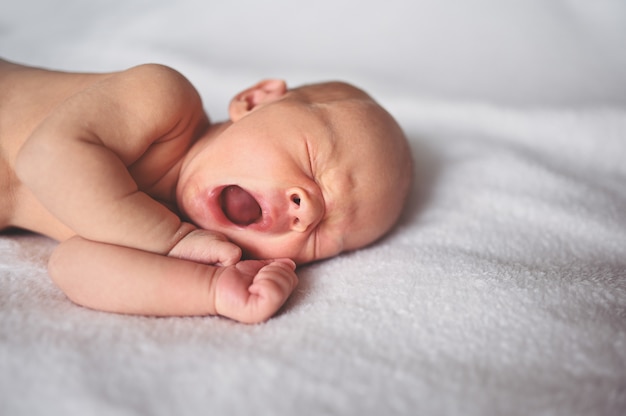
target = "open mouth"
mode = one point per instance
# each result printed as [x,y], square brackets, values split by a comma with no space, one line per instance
[239,206]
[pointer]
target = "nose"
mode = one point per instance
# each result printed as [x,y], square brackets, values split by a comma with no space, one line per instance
[305,209]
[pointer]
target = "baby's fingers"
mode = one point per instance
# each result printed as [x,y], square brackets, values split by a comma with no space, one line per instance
[207,247]
[252,291]
[275,282]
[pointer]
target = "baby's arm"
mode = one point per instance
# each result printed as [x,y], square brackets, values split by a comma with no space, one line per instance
[77,161]
[125,280]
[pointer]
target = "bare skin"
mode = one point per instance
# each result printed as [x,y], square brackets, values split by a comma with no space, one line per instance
[33,94]
[120,166]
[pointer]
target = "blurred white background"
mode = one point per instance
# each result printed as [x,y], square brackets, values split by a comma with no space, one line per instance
[515,52]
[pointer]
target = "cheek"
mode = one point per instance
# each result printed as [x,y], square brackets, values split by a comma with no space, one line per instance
[194,209]
[186,198]
[194,204]
[330,244]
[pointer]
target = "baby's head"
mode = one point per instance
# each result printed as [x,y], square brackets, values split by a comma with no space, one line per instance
[305,173]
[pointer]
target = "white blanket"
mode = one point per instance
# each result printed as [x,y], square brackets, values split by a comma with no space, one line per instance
[501,292]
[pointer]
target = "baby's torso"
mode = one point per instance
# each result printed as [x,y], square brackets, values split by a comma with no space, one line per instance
[27,96]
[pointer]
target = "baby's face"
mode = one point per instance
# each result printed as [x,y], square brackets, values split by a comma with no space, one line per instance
[296,179]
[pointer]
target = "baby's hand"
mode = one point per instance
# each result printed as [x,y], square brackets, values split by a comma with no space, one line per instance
[208,247]
[252,291]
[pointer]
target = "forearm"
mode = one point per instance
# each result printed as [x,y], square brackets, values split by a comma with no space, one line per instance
[124,280]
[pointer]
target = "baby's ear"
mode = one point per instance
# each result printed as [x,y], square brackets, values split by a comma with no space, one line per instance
[264,92]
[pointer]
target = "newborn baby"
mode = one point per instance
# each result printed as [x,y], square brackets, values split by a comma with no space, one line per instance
[159,211]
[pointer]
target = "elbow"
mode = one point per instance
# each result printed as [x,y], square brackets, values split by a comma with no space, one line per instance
[59,268]
[63,271]
[38,154]
[22,165]
[57,264]
[26,163]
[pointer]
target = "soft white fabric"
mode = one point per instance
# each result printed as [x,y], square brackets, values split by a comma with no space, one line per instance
[501,292]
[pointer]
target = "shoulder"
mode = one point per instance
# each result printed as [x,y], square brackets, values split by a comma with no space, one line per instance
[159,84]
[153,98]
[130,110]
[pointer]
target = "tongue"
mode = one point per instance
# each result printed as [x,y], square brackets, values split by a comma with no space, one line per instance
[239,206]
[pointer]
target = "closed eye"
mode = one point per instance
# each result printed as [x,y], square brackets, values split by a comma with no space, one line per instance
[315,237]
[310,158]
